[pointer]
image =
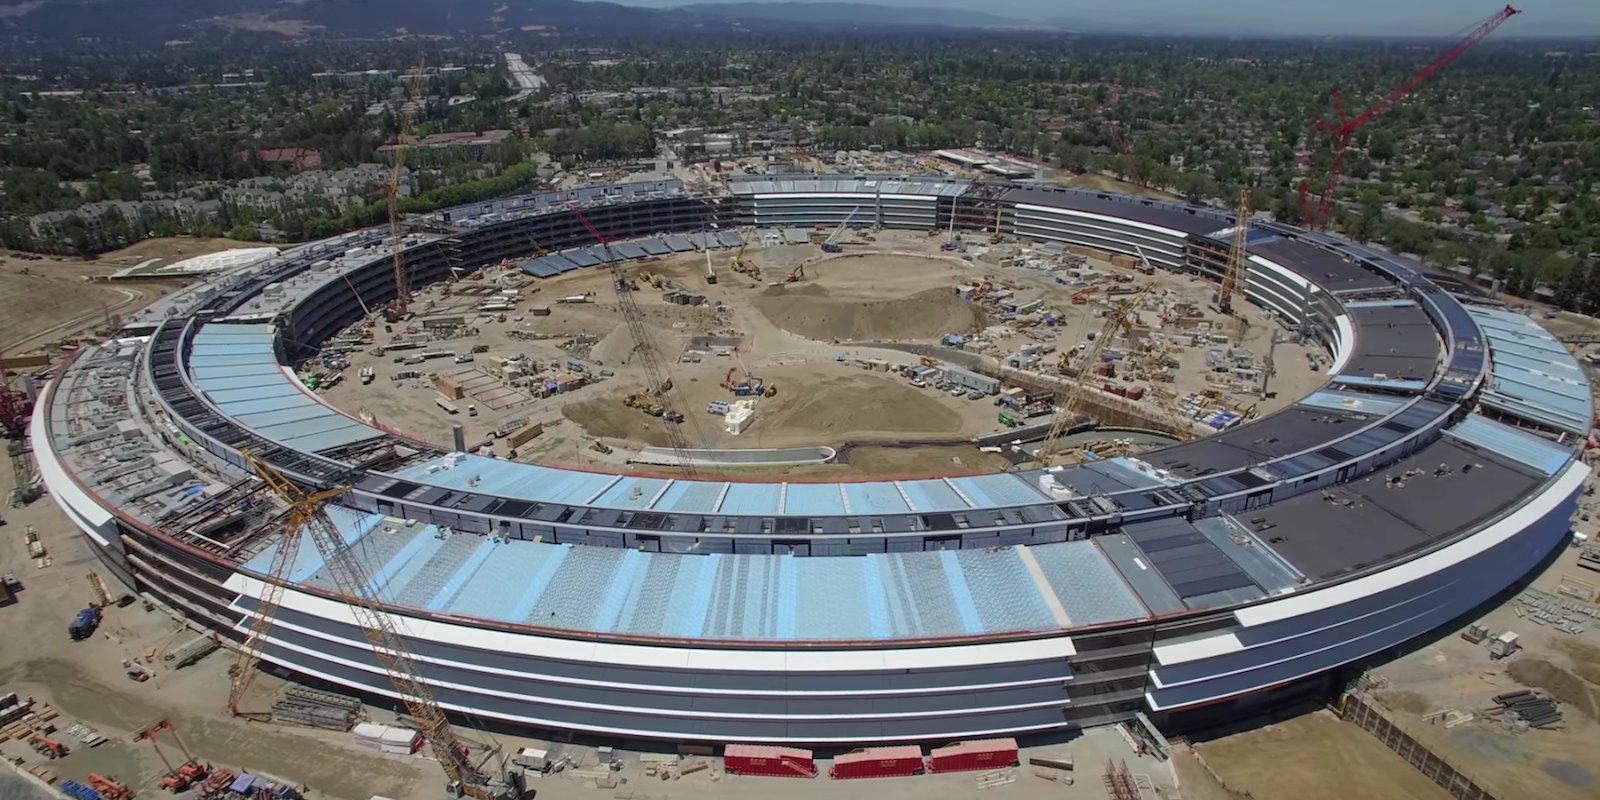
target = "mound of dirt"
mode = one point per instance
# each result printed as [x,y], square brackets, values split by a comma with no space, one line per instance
[1561,684]
[811,311]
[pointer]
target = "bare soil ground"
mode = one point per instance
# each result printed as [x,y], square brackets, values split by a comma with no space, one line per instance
[1314,757]
[815,404]
[1450,673]
[172,247]
[815,313]
[54,298]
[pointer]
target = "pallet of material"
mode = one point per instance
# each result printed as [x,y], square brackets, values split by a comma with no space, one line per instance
[29,723]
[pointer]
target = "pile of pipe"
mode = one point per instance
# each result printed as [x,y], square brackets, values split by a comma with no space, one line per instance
[1529,708]
[313,709]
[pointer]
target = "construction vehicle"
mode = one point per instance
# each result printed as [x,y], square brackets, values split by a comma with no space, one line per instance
[645,402]
[711,272]
[1082,295]
[1346,127]
[996,236]
[308,514]
[181,777]
[402,290]
[109,789]
[736,263]
[797,274]
[47,747]
[83,626]
[831,244]
[645,347]
[1066,406]
[653,279]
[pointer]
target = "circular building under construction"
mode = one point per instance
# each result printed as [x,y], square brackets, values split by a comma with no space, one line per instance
[1435,466]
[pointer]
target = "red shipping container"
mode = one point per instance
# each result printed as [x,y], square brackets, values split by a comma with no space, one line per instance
[980,754]
[1135,392]
[878,762]
[765,760]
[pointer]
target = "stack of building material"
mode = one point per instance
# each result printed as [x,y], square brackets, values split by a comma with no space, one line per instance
[1535,709]
[191,651]
[314,709]
[370,734]
[400,741]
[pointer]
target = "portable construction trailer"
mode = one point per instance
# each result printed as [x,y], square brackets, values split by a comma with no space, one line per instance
[768,761]
[878,762]
[977,755]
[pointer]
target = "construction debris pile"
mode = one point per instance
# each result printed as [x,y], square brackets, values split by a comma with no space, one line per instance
[1526,708]
[1563,614]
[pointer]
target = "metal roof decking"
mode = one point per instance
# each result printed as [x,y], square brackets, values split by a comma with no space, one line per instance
[237,372]
[1507,442]
[885,596]
[1534,376]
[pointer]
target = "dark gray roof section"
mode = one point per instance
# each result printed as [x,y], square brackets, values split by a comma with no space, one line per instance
[1292,430]
[1389,513]
[1322,267]
[1399,343]
[1167,215]
[1140,574]
[1189,562]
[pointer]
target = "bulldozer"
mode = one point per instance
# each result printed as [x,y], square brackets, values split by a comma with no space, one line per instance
[645,402]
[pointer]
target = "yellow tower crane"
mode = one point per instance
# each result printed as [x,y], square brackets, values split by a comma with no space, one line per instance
[308,515]
[1067,405]
[1234,273]
[402,282]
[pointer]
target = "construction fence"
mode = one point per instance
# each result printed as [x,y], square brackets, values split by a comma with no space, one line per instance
[1429,763]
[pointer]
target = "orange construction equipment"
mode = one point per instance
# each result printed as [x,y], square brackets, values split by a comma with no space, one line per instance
[108,788]
[1082,295]
[180,777]
[799,273]
[46,746]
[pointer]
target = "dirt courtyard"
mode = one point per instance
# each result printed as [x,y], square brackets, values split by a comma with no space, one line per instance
[1314,757]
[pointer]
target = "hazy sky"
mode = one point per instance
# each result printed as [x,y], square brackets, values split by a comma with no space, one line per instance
[1288,17]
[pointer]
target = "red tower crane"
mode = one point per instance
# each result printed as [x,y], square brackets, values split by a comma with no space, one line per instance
[1346,126]
[1128,158]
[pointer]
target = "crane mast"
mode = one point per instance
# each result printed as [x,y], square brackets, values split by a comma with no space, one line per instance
[660,382]
[308,513]
[1234,272]
[402,282]
[1346,126]
[1067,407]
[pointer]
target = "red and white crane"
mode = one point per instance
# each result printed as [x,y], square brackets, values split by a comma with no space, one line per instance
[1346,126]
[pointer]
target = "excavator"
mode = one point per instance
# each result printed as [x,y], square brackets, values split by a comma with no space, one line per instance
[796,275]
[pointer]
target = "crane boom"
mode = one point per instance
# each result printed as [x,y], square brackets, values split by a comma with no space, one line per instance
[660,382]
[308,513]
[1234,271]
[1346,126]
[402,282]
[1067,407]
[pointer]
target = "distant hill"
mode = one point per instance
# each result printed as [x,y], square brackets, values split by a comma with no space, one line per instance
[161,20]
[856,15]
